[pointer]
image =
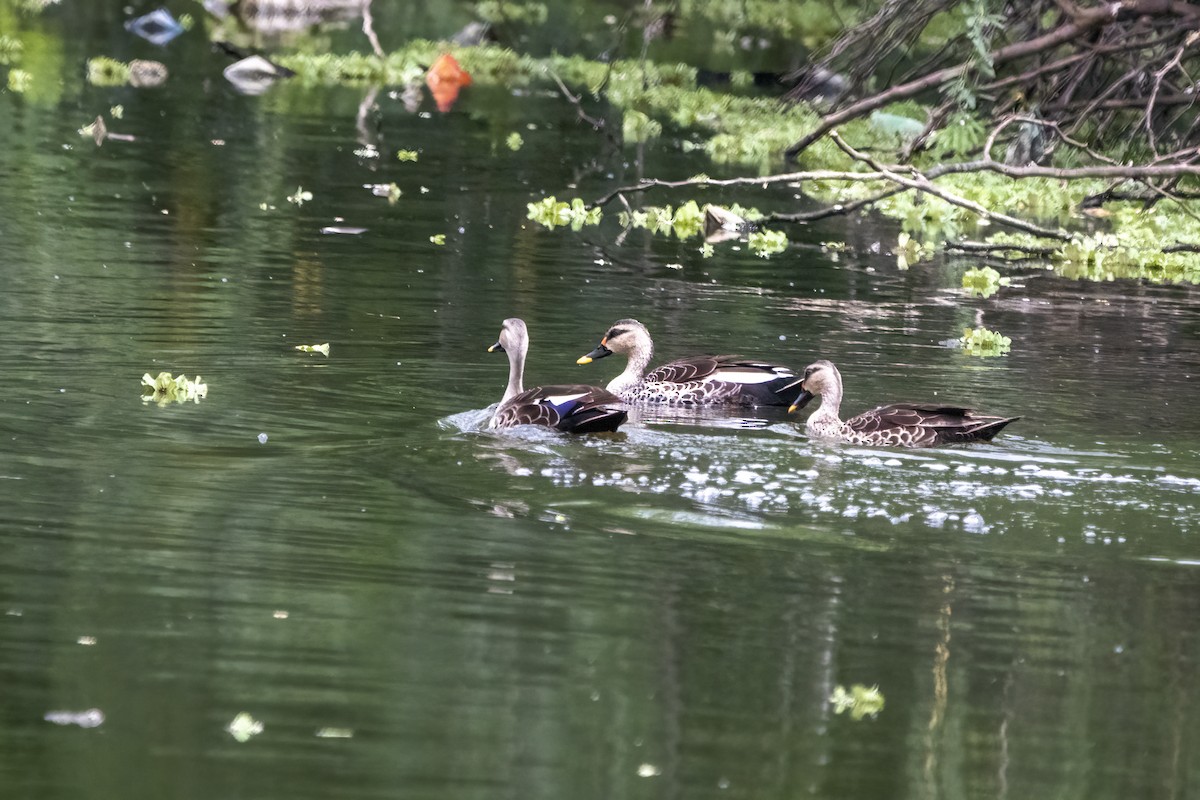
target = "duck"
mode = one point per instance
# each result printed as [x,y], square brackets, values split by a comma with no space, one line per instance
[571,408]
[695,381]
[895,425]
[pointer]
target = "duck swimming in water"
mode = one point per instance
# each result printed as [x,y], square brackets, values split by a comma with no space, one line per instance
[571,408]
[696,381]
[898,424]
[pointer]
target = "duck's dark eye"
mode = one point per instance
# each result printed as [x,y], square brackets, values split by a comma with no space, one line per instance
[613,332]
[808,372]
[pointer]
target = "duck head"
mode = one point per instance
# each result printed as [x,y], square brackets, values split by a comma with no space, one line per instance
[626,336]
[819,377]
[514,338]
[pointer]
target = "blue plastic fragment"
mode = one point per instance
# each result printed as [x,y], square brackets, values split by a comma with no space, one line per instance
[157,27]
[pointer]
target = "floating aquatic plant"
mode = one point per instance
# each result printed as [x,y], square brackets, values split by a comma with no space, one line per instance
[406,155]
[244,727]
[19,81]
[166,389]
[514,141]
[552,213]
[984,343]
[910,251]
[323,349]
[861,701]
[300,197]
[10,49]
[438,239]
[767,243]
[983,281]
[105,71]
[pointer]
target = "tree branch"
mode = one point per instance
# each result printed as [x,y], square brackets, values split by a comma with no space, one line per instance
[922,183]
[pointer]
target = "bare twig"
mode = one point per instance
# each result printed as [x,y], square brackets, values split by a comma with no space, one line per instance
[595,122]
[965,246]
[834,210]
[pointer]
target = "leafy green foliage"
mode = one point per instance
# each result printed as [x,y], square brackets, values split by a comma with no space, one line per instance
[19,81]
[861,701]
[105,71]
[552,213]
[962,134]
[500,11]
[10,49]
[514,141]
[767,243]
[166,389]
[983,281]
[910,251]
[984,343]
[637,127]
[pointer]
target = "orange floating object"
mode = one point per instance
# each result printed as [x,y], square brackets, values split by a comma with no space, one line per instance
[444,79]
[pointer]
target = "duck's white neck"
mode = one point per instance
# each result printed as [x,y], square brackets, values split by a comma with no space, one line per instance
[516,375]
[829,412]
[635,369]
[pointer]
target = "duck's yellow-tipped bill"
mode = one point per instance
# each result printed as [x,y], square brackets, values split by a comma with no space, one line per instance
[583,360]
[496,348]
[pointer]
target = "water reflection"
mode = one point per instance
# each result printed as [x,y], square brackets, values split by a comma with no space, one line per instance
[661,612]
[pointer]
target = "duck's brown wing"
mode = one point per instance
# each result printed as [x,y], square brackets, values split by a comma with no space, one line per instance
[684,370]
[572,408]
[927,424]
[753,382]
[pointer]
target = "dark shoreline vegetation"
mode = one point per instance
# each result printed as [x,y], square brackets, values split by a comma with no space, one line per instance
[1025,120]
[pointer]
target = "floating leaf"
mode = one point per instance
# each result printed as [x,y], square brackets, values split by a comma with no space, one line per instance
[514,141]
[300,197]
[984,343]
[438,238]
[406,155]
[861,701]
[244,727]
[335,733]
[688,220]
[105,71]
[552,212]
[767,243]
[166,389]
[910,251]
[323,349]
[10,49]
[983,281]
[19,81]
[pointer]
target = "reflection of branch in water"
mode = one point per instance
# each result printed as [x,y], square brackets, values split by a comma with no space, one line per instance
[365,108]
[369,28]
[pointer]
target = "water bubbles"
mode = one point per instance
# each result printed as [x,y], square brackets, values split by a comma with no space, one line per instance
[262,438]
[973,523]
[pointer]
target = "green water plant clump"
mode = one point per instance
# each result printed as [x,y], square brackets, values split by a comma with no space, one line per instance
[105,71]
[767,243]
[984,343]
[166,389]
[552,213]
[859,700]
[983,281]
